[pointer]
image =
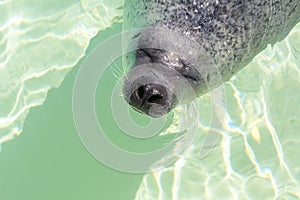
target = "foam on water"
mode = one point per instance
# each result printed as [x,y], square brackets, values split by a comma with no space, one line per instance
[257,156]
[39,43]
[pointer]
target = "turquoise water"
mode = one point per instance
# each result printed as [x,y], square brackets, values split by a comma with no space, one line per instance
[39,45]
[254,158]
[48,161]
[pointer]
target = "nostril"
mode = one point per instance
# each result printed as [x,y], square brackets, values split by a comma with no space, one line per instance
[155,98]
[149,93]
[140,92]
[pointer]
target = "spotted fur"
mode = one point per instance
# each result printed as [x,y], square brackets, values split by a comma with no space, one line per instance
[231,31]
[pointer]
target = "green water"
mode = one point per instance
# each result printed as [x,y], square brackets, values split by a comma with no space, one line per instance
[39,44]
[48,161]
[256,156]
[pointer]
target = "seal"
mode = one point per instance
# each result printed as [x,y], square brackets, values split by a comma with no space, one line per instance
[187,47]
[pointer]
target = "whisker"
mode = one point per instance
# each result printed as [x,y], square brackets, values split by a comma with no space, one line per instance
[117,73]
[121,94]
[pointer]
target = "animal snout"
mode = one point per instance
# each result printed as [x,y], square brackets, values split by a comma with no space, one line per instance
[149,94]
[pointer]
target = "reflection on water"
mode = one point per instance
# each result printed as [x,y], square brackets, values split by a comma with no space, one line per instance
[257,155]
[39,44]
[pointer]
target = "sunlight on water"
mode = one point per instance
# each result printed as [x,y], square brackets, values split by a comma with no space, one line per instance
[257,155]
[39,44]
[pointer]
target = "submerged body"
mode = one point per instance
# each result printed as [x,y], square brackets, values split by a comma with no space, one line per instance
[191,46]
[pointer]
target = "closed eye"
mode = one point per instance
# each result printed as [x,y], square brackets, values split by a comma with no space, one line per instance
[190,78]
[143,52]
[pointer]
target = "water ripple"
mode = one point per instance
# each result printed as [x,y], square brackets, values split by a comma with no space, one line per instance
[257,157]
[39,44]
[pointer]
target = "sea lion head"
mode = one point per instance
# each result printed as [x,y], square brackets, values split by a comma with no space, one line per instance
[170,69]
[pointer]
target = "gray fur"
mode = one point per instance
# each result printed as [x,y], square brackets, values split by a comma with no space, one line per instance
[229,32]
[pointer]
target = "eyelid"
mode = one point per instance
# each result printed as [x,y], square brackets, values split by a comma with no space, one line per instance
[189,77]
[189,71]
[144,52]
